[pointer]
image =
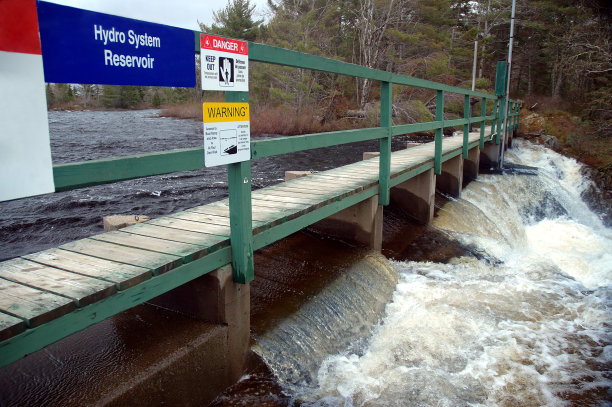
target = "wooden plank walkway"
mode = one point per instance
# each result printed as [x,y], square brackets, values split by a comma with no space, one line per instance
[45,286]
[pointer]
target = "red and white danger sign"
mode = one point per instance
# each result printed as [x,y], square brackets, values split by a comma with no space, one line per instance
[25,151]
[224,63]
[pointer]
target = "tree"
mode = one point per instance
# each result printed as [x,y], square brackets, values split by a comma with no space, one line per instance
[64,92]
[50,95]
[156,100]
[110,96]
[373,18]
[236,21]
[88,93]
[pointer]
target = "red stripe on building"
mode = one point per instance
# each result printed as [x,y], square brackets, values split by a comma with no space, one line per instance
[19,26]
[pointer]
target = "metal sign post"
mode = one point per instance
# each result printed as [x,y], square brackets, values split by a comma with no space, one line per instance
[507,96]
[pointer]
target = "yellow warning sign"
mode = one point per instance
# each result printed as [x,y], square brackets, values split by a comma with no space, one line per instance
[226,112]
[227,133]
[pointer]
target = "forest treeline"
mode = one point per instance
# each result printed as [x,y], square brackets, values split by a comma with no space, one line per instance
[562,57]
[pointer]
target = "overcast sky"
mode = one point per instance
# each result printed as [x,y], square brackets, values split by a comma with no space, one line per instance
[177,13]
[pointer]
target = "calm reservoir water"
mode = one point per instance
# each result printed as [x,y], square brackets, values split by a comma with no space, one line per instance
[504,300]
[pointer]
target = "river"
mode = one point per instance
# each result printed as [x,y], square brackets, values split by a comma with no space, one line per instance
[504,300]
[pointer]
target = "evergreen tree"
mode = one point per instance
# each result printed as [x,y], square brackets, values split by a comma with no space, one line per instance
[50,95]
[110,96]
[130,96]
[156,100]
[236,21]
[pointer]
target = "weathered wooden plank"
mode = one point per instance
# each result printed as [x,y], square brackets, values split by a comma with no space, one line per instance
[297,190]
[217,210]
[186,250]
[315,184]
[356,166]
[263,214]
[286,196]
[360,165]
[342,176]
[205,218]
[260,207]
[337,190]
[10,326]
[359,178]
[257,209]
[184,236]
[157,262]
[283,217]
[223,211]
[202,217]
[328,180]
[34,306]
[424,155]
[363,174]
[399,167]
[410,160]
[31,340]
[275,203]
[297,223]
[81,289]
[356,186]
[122,275]
[200,227]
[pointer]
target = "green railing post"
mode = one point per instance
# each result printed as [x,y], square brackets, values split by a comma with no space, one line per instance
[466,126]
[494,121]
[500,119]
[515,111]
[384,171]
[483,113]
[241,234]
[511,116]
[439,132]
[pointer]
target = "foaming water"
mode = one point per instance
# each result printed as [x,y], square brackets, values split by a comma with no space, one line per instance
[345,309]
[525,321]
[466,334]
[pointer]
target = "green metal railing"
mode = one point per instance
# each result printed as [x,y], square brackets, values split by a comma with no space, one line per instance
[81,174]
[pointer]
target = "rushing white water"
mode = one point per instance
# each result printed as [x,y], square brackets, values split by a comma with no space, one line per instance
[526,322]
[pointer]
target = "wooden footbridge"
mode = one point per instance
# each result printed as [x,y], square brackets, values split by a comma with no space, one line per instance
[49,295]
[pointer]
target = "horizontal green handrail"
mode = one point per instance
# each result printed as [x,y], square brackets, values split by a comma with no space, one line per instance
[281,56]
[94,172]
[114,169]
[291,144]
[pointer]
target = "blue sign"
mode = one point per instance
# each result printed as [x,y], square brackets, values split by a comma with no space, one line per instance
[80,46]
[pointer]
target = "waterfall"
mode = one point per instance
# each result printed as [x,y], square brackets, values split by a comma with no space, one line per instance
[524,320]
